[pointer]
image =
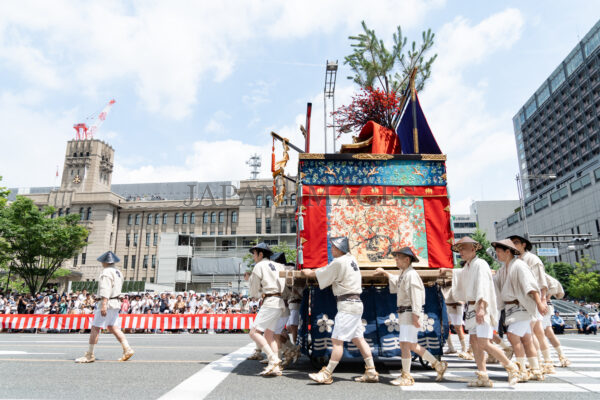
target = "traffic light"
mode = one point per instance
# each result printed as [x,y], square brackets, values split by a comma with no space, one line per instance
[582,242]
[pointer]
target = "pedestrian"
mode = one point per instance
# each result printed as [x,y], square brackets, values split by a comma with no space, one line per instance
[343,275]
[410,293]
[264,280]
[106,315]
[476,289]
[519,295]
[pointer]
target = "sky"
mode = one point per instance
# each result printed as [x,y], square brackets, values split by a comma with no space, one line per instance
[199,85]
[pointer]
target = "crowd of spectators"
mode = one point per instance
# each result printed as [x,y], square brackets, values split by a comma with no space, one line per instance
[136,303]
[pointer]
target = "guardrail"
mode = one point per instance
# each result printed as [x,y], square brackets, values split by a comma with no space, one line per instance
[129,321]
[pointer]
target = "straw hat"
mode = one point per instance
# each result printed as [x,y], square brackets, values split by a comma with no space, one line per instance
[508,244]
[522,239]
[465,240]
[407,252]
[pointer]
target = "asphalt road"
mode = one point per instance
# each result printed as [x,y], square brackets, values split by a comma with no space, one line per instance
[40,366]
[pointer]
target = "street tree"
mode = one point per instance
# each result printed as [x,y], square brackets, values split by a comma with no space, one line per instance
[37,244]
[585,283]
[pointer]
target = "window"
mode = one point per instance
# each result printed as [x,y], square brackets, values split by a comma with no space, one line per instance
[575,61]
[292,199]
[541,204]
[125,260]
[268,225]
[193,218]
[81,213]
[221,217]
[147,239]
[156,219]
[151,279]
[83,256]
[135,239]
[89,213]
[155,239]
[292,225]
[145,262]
[176,218]
[234,214]
[213,217]
[592,43]
[137,219]
[60,212]
[283,227]
[75,261]
[133,262]
[596,175]
[153,261]
[581,183]
[68,211]
[165,215]
[559,194]
[268,201]
[185,218]
[205,218]
[530,107]
[513,219]
[543,94]
[129,219]
[127,239]
[258,225]
[149,221]
[259,201]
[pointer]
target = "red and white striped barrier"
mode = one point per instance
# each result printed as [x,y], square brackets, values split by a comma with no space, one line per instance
[129,321]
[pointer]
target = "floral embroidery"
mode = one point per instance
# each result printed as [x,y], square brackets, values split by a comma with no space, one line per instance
[325,324]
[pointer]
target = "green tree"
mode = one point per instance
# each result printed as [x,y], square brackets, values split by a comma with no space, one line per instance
[374,65]
[585,283]
[4,192]
[562,271]
[481,237]
[36,244]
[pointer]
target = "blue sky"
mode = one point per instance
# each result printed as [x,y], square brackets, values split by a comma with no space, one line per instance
[199,85]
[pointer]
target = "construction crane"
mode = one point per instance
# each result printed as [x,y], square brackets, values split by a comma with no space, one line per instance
[84,132]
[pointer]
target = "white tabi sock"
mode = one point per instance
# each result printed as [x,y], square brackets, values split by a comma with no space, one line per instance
[270,353]
[450,345]
[125,344]
[534,363]
[559,350]
[546,354]
[463,345]
[369,362]
[427,356]
[91,349]
[406,365]
[331,366]
[522,361]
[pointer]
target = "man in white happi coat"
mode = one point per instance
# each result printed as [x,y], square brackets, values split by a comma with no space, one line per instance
[265,281]
[518,294]
[410,293]
[455,311]
[475,287]
[536,266]
[555,289]
[106,315]
[343,275]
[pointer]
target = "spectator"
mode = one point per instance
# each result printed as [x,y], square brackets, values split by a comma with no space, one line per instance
[558,324]
[179,306]
[589,324]
[579,321]
[63,307]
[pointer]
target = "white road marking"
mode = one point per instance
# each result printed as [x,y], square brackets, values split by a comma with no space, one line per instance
[17,352]
[199,385]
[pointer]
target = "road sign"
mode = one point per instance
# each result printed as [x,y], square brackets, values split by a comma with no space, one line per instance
[548,252]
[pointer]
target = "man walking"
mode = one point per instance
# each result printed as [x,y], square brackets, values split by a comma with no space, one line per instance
[106,315]
[343,275]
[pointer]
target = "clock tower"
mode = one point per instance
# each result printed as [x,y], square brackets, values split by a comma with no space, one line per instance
[88,166]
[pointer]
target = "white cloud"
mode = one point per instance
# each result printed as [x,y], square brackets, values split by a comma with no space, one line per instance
[167,49]
[479,143]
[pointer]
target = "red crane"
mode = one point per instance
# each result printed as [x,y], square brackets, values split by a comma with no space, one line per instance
[84,132]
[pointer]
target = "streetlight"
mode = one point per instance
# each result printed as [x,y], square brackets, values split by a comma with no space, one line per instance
[519,179]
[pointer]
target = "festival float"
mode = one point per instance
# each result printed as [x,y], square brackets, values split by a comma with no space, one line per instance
[388,189]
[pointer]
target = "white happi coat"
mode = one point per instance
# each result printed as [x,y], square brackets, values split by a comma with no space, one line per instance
[410,291]
[536,266]
[514,281]
[554,288]
[265,280]
[473,283]
[110,284]
[343,275]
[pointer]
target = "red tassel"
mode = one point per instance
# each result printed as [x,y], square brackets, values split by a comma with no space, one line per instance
[273,157]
